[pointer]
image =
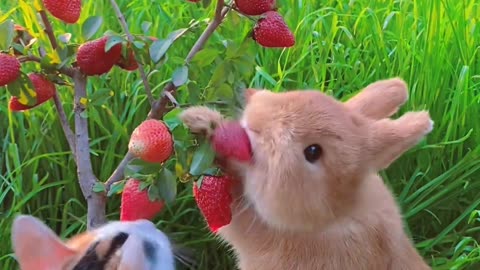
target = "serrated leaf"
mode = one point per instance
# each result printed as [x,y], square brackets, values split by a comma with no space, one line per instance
[23,89]
[167,186]
[180,76]
[171,119]
[153,193]
[90,26]
[99,187]
[205,57]
[219,75]
[145,27]
[7,33]
[65,38]
[202,159]
[116,188]
[112,41]
[225,92]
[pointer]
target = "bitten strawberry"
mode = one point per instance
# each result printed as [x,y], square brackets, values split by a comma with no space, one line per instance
[93,60]
[213,198]
[255,7]
[9,69]
[272,31]
[151,141]
[66,10]
[44,88]
[136,204]
[128,63]
[230,140]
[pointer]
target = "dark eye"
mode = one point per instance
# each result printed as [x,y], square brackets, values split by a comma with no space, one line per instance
[312,152]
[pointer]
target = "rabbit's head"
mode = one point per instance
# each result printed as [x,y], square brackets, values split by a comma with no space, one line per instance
[311,153]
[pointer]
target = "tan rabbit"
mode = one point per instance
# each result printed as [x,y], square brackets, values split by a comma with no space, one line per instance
[312,197]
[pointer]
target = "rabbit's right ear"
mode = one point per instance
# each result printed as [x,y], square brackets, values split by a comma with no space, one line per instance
[380,99]
[249,92]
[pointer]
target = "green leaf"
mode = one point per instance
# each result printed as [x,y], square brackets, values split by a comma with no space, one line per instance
[112,41]
[138,166]
[100,96]
[7,33]
[116,188]
[145,27]
[202,159]
[24,90]
[65,38]
[171,119]
[225,91]
[167,186]
[220,74]
[139,44]
[205,57]
[90,26]
[158,49]
[180,76]
[99,187]
[153,193]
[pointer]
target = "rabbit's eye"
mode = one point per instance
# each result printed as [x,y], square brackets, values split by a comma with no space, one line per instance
[312,152]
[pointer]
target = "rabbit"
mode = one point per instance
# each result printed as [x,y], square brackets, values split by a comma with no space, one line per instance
[311,197]
[117,245]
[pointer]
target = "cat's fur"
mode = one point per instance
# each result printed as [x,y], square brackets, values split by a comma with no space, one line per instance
[335,213]
[136,245]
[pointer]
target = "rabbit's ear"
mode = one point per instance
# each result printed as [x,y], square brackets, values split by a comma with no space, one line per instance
[380,99]
[249,92]
[391,138]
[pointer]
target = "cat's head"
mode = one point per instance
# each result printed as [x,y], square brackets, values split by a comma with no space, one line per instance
[117,245]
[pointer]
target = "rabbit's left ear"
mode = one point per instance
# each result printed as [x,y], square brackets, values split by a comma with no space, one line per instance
[380,99]
[249,92]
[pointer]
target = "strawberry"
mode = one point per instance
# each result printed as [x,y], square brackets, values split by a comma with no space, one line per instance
[93,60]
[230,140]
[213,198]
[44,88]
[255,7]
[151,141]
[135,204]
[128,64]
[9,69]
[272,31]
[66,10]
[194,1]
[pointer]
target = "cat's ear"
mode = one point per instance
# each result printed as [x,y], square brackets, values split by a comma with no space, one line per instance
[133,256]
[36,246]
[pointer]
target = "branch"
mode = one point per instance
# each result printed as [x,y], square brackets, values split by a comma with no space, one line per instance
[48,29]
[63,120]
[87,180]
[123,22]
[159,107]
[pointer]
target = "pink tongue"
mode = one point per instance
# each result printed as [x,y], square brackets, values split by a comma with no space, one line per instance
[231,141]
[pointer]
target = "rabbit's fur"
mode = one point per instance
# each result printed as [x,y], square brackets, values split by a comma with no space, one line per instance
[336,212]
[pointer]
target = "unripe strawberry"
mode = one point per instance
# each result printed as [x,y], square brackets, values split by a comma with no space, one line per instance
[136,204]
[214,198]
[255,7]
[93,60]
[151,141]
[9,69]
[230,140]
[44,88]
[66,10]
[128,63]
[272,31]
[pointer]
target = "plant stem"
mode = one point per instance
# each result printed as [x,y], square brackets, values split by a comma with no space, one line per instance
[48,29]
[159,107]
[64,122]
[95,202]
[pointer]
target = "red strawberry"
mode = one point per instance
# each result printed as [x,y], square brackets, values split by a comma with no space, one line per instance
[255,7]
[44,88]
[151,141]
[93,60]
[9,69]
[230,140]
[272,31]
[66,10]
[213,198]
[136,204]
[128,64]
[194,1]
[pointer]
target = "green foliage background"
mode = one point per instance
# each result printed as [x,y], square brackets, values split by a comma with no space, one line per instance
[341,47]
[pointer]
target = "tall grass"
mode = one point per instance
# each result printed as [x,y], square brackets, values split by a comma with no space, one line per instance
[341,47]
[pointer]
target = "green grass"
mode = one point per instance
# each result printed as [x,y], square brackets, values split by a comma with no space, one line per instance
[341,47]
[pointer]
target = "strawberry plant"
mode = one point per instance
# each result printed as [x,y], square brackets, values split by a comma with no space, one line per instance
[37,62]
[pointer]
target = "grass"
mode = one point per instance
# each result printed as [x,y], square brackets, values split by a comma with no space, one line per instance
[341,47]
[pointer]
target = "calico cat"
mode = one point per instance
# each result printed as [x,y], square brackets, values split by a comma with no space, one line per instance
[134,245]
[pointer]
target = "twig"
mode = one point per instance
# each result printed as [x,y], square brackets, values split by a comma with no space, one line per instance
[159,107]
[64,122]
[123,22]
[48,29]
[29,58]
[86,177]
